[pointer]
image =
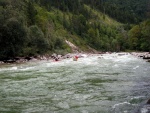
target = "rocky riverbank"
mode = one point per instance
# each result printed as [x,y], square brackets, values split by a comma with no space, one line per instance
[143,55]
[29,58]
[53,56]
[56,57]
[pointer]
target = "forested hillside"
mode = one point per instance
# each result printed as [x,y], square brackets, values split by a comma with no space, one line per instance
[32,27]
[124,11]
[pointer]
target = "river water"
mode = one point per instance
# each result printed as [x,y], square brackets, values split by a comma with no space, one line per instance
[93,84]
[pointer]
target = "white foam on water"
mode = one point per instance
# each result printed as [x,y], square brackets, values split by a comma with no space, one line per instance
[123,103]
[136,67]
[83,55]
[9,68]
[84,111]
[91,60]
[124,58]
[40,82]
[144,110]
[116,65]
[137,97]
[26,68]
[57,63]
[64,105]
[84,60]
[118,58]
[14,68]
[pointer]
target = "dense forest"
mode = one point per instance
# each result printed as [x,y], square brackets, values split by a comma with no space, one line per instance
[33,27]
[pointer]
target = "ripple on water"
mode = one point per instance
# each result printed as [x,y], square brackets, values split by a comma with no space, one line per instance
[111,84]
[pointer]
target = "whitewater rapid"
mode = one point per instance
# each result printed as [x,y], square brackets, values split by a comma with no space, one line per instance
[106,83]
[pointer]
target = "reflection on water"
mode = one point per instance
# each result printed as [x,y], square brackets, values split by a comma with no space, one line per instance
[105,84]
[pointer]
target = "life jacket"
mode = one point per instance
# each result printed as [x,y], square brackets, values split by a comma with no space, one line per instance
[76,57]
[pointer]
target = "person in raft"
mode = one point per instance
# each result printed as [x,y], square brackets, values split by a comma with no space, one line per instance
[56,59]
[75,58]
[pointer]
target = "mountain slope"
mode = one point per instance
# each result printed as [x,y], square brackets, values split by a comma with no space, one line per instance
[32,27]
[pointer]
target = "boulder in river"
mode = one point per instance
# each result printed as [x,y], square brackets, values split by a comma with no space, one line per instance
[148,102]
[146,57]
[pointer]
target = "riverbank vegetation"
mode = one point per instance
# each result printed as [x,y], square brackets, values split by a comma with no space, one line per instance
[33,27]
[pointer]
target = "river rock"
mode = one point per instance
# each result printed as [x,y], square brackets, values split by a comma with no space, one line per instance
[146,57]
[28,58]
[9,61]
[1,62]
[148,102]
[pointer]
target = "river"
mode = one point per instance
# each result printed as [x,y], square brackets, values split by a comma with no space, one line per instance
[94,84]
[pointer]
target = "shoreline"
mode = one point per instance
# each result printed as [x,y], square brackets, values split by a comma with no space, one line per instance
[54,56]
[143,55]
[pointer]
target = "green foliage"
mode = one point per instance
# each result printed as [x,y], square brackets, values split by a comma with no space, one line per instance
[31,27]
[31,13]
[125,11]
[13,37]
[37,41]
[139,36]
[4,3]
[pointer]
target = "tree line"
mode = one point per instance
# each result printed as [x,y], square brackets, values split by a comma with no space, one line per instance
[32,27]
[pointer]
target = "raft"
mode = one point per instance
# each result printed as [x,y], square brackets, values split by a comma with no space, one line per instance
[75,59]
